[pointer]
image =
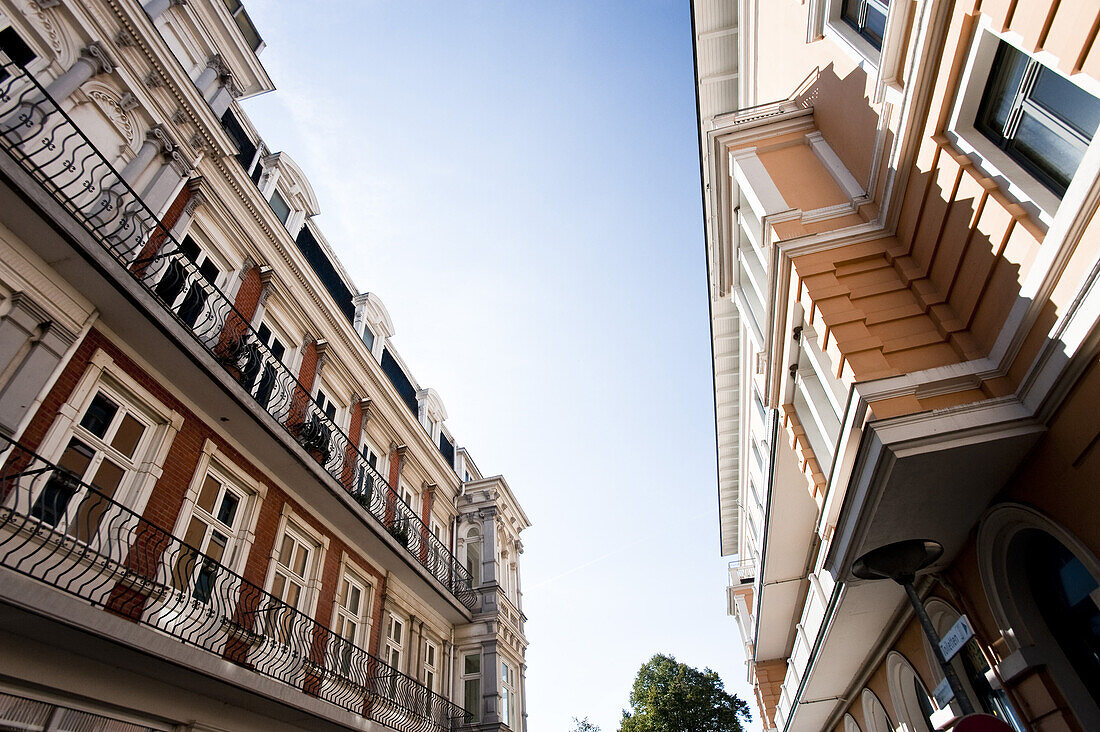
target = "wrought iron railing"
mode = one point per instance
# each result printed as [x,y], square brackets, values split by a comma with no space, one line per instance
[64,532]
[42,138]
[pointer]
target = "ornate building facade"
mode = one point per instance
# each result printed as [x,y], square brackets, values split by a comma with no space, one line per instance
[900,207]
[225,502]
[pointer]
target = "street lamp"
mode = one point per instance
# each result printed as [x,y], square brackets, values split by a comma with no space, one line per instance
[901,561]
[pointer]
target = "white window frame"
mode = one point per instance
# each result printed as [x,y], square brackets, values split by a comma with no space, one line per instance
[289,520]
[214,462]
[433,684]
[825,21]
[324,391]
[149,457]
[507,694]
[354,574]
[468,677]
[395,646]
[1015,180]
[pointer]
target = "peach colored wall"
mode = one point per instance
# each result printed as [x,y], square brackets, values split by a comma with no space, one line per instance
[799,175]
[840,93]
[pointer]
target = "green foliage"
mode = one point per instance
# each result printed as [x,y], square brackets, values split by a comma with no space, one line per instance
[583,725]
[669,696]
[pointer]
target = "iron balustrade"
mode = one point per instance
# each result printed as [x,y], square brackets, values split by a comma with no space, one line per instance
[68,534]
[45,141]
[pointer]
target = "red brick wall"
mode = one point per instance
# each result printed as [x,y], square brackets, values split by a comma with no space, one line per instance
[306,374]
[160,234]
[246,302]
[355,429]
[166,500]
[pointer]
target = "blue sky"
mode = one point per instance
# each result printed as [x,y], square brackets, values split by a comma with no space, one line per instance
[518,182]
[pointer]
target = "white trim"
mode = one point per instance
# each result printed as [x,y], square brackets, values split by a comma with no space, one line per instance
[312,590]
[900,675]
[164,425]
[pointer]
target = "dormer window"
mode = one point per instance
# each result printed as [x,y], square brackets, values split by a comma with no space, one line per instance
[368,338]
[280,207]
[244,23]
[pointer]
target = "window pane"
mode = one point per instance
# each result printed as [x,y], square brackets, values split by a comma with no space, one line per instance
[1067,101]
[472,697]
[107,477]
[850,12]
[228,510]
[874,27]
[99,415]
[76,458]
[300,560]
[472,665]
[15,47]
[216,548]
[1052,153]
[209,271]
[209,493]
[128,435]
[279,206]
[1000,91]
[286,552]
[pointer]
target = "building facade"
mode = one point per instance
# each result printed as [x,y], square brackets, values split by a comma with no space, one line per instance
[227,504]
[900,205]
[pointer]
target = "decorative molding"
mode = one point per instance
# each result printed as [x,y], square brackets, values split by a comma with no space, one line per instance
[35,10]
[152,80]
[125,39]
[116,108]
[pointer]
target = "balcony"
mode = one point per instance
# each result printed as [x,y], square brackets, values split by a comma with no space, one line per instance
[46,144]
[60,531]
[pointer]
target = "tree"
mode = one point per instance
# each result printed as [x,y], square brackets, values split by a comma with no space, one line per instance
[583,725]
[669,696]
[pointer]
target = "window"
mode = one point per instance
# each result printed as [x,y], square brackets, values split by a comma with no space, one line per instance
[172,283]
[471,686]
[352,618]
[473,556]
[368,338]
[866,17]
[431,666]
[395,641]
[1039,118]
[246,154]
[104,448]
[327,405]
[293,569]
[1068,600]
[280,206]
[368,475]
[259,369]
[244,23]
[15,49]
[213,530]
[507,694]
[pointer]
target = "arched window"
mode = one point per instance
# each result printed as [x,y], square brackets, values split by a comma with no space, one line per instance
[473,555]
[912,704]
[874,714]
[971,667]
[850,724]
[1043,586]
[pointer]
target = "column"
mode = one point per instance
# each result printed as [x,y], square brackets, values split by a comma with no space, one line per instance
[93,61]
[155,8]
[31,348]
[490,682]
[488,518]
[157,141]
[215,68]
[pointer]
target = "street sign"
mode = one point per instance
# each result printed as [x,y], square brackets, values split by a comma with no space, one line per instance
[943,693]
[954,639]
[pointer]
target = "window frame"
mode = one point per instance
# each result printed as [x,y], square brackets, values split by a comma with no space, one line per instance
[365,621]
[507,694]
[468,677]
[290,521]
[392,646]
[213,461]
[1014,179]
[137,486]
